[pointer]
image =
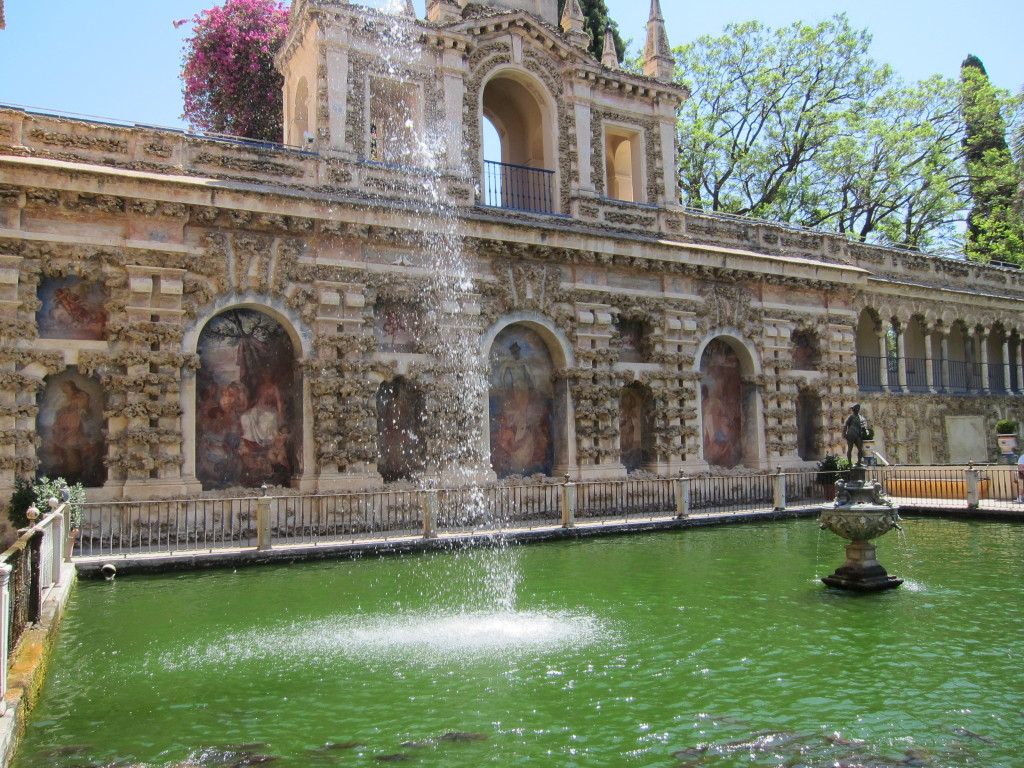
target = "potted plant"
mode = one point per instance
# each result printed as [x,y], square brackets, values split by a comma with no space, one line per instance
[27,493]
[831,468]
[1006,436]
[869,445]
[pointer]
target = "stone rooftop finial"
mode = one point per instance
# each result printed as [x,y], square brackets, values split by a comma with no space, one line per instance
[572,24]
[3,24]
[409,10]
[609,56]
[443,11]
[659,62]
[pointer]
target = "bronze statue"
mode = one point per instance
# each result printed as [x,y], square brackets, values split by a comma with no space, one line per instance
[855,430]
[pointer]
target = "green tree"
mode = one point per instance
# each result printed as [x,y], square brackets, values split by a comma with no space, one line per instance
[597,18]
[799,124]
[995,229]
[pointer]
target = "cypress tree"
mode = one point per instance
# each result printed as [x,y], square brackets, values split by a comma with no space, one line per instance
[994,229]
[596,14]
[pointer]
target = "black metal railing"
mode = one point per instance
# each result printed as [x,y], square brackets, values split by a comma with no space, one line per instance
[518,187]
[952,376]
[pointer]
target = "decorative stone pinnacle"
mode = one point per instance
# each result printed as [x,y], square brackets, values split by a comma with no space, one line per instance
[659,62]
[409,10]
[609,56]
[573,22]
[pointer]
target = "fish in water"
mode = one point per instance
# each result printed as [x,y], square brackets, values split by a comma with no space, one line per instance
[419,744]
[343,745]
[254,760]
[395,758]
[973,735]
[463,736]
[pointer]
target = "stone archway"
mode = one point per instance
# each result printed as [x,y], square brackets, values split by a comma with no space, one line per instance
[399,414]
[248,402]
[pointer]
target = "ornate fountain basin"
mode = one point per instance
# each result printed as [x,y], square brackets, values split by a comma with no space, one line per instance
[858,523]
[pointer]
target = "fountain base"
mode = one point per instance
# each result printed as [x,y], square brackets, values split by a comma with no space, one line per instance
[861,512]
[861,572]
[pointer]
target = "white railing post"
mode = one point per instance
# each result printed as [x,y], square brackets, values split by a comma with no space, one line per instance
[57,538]
[568,504]
[973,497]
[779,483]
[5,630]
[263,540]
[682,490]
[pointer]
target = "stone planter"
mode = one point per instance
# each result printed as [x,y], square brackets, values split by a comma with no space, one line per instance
[1007,444]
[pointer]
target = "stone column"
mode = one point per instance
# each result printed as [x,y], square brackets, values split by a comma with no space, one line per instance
[901,361]
[1007,388]
[944,345]
[1020,364]
[929,367]
[982,342]
[883,360]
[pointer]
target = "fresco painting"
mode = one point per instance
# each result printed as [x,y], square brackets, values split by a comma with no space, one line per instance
[635,433]
[397,327]
[399,407]
[631,339]
[248,427]
[721,405]
[521,403]
[70,425]
[71,308]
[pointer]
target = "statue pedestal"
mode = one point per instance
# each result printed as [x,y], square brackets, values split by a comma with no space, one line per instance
[860,513]
[861,571]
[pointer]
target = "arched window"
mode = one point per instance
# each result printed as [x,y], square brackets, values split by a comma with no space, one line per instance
[248,412]
[518,109]
[623,160]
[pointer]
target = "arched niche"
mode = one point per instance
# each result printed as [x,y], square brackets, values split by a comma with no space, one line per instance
[869,363]
[70,425]
[729,405]
[526,415]
[248,402]
[809,426]
[399,414]
[636,427]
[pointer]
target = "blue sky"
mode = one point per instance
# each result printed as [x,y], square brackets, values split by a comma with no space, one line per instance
[120,58]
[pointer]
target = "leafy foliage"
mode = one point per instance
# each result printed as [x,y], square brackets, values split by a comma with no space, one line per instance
[799,124]
[995,226]
[26,493]
[1006,427]
[228,77]
[596,14]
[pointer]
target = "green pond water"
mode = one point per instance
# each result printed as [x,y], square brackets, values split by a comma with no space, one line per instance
[714,647]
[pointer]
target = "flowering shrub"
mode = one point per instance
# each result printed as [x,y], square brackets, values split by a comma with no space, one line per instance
[228,77]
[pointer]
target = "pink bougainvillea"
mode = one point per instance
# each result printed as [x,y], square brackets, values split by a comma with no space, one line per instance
[228,76]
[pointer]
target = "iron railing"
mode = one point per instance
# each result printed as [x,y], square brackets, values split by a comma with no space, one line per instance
[193,525]
[952,376]
[518,187]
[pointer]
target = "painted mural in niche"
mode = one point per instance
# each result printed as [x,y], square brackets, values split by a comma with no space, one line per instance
[521,403]
[631,341]
[247,410]
[399,407]
[635,427]
[72,308]
[70,426]
[721,405]
[397,327]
